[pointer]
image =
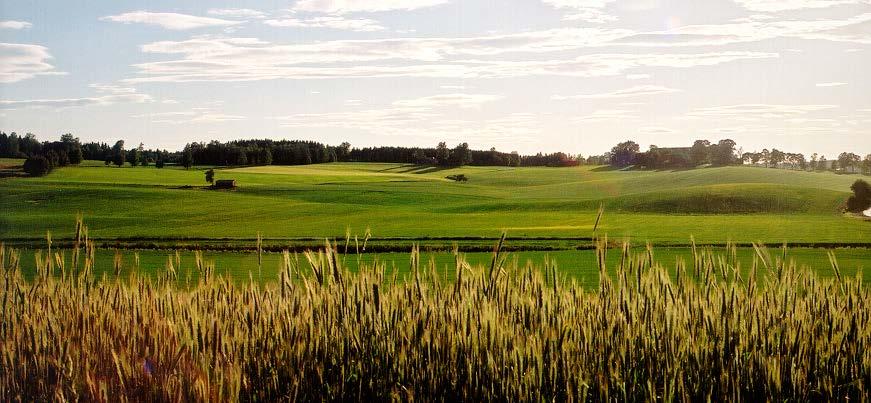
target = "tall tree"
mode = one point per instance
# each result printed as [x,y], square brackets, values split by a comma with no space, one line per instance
[461,155]
[119,156]
[849,161]
[443,154]
[723,153]
[776,157]
[187,159]
[623,154]
[700,152]
[136,155]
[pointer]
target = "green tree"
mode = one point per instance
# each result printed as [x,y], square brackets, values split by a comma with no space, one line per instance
[849,161]
[343,151]
[866,165]
[776,157]
[187,158]
[73,148]
[514,159]
[119,156]
[265,156]
[461,155]
[210,176]
[623,154]
[700,152]
[723,153]
[136,155]
[443,154]
[37,166]
[861,198]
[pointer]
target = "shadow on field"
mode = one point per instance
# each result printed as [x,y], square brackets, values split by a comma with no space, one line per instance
[415,169]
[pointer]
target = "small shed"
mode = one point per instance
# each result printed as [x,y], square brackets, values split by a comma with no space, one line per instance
[225,184]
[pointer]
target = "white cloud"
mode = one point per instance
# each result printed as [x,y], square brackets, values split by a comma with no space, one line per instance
[24,61]
[855,29]
[453,87]
[584,10]
[331,22]
[656,130]
[171,21]
[757,112]
[15,24]
[423,122]
[637,91]
[637,76]
[112,89]
[606,115]
[237,13]
[787,5]
[835,84]
[195,115]
[353,6]
[250,59]
[62,103]
[453,100]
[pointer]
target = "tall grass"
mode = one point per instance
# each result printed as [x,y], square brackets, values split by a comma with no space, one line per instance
[500,332]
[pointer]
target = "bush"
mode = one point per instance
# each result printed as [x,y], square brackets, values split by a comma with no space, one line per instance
[458,178]
[37,166]
[861,198]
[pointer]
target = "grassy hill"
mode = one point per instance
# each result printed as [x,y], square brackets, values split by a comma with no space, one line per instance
[742,204]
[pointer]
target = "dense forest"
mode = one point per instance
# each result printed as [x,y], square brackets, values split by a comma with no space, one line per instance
[42,157]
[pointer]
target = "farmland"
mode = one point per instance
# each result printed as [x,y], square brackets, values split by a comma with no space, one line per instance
[713,205]
[557,311]
[494,332]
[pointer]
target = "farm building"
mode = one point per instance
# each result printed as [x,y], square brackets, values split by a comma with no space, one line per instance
[225,184]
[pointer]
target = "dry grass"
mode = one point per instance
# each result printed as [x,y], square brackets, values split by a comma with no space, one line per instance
[500,332]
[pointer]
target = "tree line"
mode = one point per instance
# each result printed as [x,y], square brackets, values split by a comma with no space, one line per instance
[724,153]
[42,157]
[459,155]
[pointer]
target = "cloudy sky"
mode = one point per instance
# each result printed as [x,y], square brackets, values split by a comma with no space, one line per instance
[524,75]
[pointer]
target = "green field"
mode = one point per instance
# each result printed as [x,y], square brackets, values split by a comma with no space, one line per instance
[713,205]
[578,265]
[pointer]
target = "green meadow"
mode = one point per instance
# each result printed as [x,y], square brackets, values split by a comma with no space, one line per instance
[713,205]
[577,265]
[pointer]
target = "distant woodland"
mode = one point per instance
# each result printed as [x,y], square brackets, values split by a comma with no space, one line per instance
[42,157]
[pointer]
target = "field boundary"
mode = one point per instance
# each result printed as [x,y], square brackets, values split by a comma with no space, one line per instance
[388,245]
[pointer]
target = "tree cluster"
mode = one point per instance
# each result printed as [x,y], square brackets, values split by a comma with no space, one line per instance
[702,152]
[861,198]
[260,152]
[461,154]
[41,158]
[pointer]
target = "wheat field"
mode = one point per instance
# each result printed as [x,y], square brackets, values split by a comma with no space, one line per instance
[501,331]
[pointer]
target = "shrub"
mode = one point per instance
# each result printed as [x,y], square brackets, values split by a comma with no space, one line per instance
[861,198]
[458,178]
[37,166]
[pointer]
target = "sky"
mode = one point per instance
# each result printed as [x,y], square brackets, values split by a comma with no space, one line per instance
[519,75]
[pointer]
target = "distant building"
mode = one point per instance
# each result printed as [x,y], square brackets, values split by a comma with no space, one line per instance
[225,184]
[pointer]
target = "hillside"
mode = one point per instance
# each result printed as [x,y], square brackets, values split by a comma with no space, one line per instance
[713,204]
